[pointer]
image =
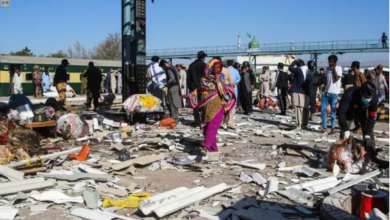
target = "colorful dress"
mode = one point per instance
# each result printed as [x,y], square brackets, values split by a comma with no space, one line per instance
[217,100]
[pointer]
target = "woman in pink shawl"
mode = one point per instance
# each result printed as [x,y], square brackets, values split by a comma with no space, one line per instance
[217,100]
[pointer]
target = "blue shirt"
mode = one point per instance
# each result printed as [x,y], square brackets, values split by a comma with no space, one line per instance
[45,82]
[236,77]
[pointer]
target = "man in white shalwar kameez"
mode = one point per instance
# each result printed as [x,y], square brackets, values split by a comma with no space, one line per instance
[182,81]
[16,85]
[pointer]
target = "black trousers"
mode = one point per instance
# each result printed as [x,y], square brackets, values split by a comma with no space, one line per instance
[313,96]
[282,95]
[238,96]
[196,113]
[246,100]
[93,94]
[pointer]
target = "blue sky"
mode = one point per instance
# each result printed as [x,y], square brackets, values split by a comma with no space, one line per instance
[46,26]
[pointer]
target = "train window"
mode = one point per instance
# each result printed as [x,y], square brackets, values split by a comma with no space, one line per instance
[29,77]
[68,77]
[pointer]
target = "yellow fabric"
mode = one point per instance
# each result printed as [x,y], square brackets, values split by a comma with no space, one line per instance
[147,100]
[133,201]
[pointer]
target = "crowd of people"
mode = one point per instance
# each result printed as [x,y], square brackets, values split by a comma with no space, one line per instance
[41,82]
[215,92]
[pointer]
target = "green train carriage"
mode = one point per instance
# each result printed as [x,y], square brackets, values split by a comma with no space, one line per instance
[8,65]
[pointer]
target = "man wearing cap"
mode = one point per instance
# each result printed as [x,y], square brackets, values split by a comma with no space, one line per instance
[60,79]
[195,73]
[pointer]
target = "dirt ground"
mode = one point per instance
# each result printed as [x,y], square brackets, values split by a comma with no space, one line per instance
[246,146]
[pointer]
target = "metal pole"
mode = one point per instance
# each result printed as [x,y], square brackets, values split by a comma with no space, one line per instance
[127,10]
[315,60]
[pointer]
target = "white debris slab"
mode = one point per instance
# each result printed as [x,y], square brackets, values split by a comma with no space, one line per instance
[376,214]
[57,197]
[11,174]
[45,157]
[313,183]
[258,166]
[164,195]
[24,186]
[8,213]
[322,187]
[354,181]
[148,208]
[298,196]
[89,169]
[308,170]
[144,160]
[96,214]
[76,176]
[272,186]
[181,203]
[245,178]
[91,198]
[259,179]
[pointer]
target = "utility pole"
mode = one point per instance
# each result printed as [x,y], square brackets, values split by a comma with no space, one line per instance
[133,47]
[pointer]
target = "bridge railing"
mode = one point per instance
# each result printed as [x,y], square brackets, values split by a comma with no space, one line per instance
[273,47]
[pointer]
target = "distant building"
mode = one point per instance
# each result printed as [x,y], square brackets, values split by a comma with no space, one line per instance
[257,62]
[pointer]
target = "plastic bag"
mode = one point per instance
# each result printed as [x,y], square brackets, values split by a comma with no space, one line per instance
[73,126]
[142,103]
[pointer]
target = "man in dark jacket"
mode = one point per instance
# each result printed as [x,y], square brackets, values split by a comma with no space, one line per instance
[317,82]
[195,73]
[307,86]
[60,79]
[362,103]
[245,87]
[174,99]
[282,86]
[94,76]
[297,89]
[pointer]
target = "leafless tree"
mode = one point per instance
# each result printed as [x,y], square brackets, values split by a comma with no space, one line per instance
[79,51]
[108,49]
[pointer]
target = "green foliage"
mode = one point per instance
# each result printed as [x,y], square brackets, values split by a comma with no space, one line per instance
[23,52]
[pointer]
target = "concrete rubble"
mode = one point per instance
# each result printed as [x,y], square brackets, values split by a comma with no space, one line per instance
[264,170]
